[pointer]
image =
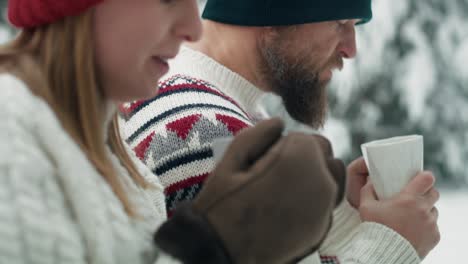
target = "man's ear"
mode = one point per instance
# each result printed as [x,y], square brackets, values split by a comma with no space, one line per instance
[269,32]
[266,35]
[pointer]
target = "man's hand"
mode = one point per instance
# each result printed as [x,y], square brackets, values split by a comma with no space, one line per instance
[411,213]
[356,178]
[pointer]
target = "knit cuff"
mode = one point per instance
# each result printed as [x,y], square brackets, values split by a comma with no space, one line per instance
[378,244]
[188,237]
[346,219]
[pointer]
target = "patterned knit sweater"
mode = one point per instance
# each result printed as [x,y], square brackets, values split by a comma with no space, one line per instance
[175,132]
[54,205]
[201,100]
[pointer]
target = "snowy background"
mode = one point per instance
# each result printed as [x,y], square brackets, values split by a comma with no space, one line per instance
[409,77]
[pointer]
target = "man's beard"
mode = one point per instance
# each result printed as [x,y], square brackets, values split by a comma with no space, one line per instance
[296,81]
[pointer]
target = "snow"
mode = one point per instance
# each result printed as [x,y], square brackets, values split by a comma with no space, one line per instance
[338,134]
[460,59]
[453,226]
[455,162]
[417,73]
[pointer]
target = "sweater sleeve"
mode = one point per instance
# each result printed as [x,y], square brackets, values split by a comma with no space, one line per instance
[346,220]
[351,241]
[173,133]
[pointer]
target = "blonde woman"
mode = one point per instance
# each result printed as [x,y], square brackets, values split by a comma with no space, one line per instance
[70,192]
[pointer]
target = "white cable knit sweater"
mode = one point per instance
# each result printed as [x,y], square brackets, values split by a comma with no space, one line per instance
[54,206]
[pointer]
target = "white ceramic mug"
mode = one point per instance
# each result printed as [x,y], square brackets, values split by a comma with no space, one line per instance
[393,162]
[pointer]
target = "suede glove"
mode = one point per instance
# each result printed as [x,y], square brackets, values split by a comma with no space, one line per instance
[270,200]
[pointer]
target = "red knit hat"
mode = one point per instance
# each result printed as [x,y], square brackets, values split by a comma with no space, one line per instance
[34,13]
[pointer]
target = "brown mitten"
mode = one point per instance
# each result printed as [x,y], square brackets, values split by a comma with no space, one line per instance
[270,200]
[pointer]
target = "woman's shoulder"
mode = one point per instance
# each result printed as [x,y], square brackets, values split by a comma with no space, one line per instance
[24,119]
[16,99]
[19,115]
[21,112]
[13,88]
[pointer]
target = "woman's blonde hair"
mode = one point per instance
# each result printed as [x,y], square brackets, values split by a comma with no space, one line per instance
[57,62]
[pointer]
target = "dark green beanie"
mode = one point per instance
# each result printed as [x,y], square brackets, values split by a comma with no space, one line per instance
[285,12]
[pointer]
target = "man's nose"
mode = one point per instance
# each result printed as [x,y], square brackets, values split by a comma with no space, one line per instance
[347,48]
